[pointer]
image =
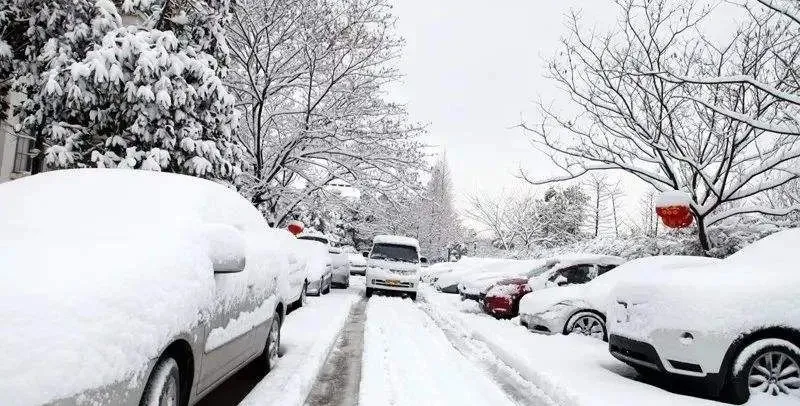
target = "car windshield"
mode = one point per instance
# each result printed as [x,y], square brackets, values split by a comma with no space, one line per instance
[541,269]
[313,238]
[392,252]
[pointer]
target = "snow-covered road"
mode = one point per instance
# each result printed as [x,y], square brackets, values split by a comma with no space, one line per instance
[409,360]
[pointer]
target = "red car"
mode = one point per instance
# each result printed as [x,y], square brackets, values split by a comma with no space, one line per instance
[501,300]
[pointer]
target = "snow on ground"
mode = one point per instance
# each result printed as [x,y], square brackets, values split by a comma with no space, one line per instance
[408,360]
[308,335]
[570,370]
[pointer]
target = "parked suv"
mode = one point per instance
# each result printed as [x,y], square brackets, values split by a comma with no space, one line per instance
[393,264]
[734,326]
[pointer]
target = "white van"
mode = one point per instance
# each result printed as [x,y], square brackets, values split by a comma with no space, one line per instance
[393,264]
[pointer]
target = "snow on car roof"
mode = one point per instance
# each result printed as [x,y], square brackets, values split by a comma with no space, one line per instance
[585,258]
[396,240]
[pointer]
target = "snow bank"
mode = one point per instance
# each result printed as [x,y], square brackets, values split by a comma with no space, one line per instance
[101,268]
[307,338]
[571,370]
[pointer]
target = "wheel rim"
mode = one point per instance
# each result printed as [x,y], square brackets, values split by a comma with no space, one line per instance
[588,326]
[775,373]
[275,342]
[170,394]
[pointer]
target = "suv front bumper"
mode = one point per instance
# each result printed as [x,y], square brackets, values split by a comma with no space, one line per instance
[643,356]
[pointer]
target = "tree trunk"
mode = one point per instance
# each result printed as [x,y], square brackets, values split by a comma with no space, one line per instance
[702,235]
[37,161]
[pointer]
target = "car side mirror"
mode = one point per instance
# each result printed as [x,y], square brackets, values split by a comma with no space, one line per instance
[423,260]
[365,254]
[225,247]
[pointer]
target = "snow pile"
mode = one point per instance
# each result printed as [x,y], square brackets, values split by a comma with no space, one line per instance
[101,268]
[763,272]
[307,337]
[571,370]
[673,198]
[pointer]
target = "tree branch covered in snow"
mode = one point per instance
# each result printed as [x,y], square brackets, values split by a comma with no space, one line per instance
[310,79]
[668,132]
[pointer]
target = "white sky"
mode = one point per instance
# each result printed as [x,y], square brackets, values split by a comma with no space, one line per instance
[474,69]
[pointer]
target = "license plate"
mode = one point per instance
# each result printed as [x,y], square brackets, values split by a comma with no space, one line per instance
[392,282]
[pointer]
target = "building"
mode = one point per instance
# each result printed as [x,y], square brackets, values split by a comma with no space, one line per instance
[15,156]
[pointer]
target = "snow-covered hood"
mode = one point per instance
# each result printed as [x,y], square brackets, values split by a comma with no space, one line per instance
[357,260]
[477,284]
[542,300]
[754,288]
[80,314]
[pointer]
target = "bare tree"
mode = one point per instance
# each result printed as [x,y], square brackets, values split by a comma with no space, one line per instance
[652,125]
[598,188]
[310,78]
[615,194]
[494,214]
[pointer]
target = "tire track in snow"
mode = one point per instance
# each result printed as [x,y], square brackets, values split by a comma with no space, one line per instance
[408,360]
[515,386]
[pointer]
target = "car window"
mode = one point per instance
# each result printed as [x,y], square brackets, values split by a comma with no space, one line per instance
[393,252]
[605,268]
[575,274]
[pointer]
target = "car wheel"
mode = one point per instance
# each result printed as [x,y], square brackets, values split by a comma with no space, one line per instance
[273,344]
[163,387]
[587,324]
[327,288]
[767,367]
[369,292]
[413,296]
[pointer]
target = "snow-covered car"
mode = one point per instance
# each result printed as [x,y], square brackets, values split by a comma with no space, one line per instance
[339,263]
[432,273]
[465,268]
[503,298]
[474,287]
[318,266]
[358,263]
[121,287]
[393,264]
[733,325]
[582,308]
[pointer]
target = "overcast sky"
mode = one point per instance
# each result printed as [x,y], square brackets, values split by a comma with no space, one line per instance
[474,69]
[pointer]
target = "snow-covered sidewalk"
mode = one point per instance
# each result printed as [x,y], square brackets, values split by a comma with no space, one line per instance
[307,337]
[570,370]
[408,360]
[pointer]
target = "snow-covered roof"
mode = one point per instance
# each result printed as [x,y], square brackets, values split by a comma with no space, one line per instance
[565,260]
[395,240]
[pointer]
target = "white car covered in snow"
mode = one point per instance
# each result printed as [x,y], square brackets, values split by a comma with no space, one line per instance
[393,264]
[358,264]
[129,287]
[465,268]
[338,272]
[732,325]
[582,308]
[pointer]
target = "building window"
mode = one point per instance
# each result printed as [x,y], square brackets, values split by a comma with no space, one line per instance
[23,159]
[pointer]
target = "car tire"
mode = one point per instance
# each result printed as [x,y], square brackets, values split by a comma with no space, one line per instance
[588,324]
[368,292]
[327,288]
[164,385]
[756,365]
[270,356]
[413,296]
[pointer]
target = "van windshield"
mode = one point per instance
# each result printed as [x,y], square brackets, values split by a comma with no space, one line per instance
[392,252]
